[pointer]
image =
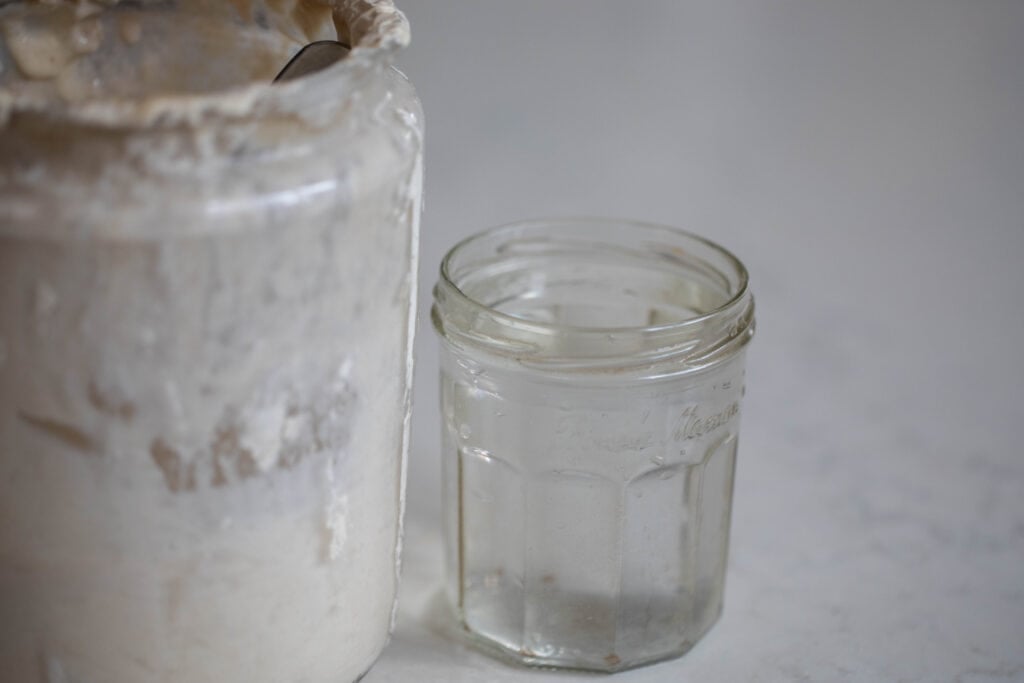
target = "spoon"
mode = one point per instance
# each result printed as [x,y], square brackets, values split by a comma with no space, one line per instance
[312,58]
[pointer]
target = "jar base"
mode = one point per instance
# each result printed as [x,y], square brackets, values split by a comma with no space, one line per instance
[612,662]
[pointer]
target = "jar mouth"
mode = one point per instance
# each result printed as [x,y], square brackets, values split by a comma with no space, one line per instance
[585,293]
[374,29]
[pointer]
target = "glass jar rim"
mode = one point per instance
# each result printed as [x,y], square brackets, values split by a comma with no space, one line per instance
[694,342]
[378,31]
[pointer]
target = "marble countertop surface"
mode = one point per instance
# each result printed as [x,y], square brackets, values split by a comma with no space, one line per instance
[866,160]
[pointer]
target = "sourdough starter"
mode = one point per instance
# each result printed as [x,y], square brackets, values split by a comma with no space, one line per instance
[206,288]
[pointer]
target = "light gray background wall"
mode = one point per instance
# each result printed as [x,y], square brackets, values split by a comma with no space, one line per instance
[866,160]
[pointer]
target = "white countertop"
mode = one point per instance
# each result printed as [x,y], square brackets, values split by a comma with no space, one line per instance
[866,161]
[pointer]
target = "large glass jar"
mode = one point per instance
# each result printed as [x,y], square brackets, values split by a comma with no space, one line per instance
[206,287]
[592,373]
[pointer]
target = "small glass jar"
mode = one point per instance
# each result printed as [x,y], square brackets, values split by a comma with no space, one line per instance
[592,373]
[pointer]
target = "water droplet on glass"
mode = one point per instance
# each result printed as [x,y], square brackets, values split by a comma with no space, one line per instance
[465,431]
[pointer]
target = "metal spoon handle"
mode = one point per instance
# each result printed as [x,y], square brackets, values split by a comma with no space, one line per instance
[312,58]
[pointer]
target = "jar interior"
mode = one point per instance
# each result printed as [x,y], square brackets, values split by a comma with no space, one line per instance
[594,278]
[77,51]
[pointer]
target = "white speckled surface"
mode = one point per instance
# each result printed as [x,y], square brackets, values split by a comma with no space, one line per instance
[866,160]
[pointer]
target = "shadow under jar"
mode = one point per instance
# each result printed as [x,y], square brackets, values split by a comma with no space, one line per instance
[591,379]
